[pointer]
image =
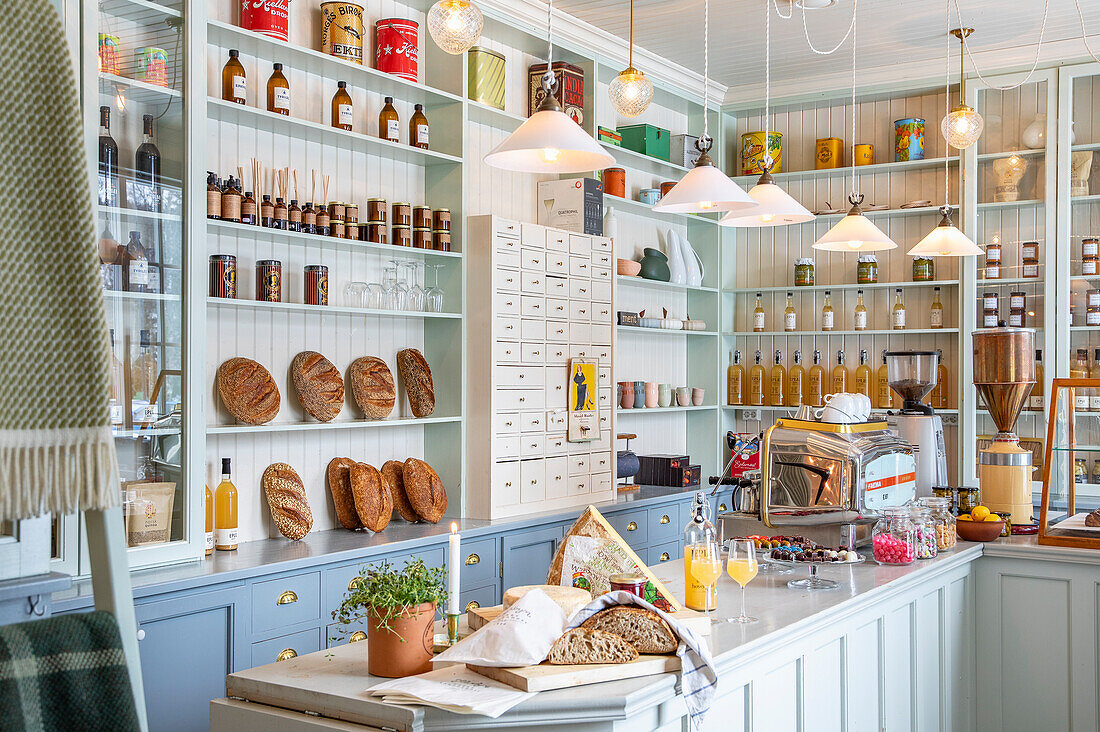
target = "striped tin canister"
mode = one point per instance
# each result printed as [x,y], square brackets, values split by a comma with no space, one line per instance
[486,77]
[269,280]
[316,284]
[223,275]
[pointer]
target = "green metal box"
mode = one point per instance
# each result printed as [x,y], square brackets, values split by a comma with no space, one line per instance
[648,140]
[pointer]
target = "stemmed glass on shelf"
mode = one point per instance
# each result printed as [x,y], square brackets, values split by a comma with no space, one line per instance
[416,294]
[434,303]
[742,566]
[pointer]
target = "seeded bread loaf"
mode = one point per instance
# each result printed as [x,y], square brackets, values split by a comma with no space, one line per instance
[583,645]
[425,490]
[248,391]
[372,498]
[339,485]
[417,377]
[640,627]
[372,386]
[286,497]
[394,479]
[319,384]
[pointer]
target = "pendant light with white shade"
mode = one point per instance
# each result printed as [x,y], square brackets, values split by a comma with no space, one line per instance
[549,141]
[855,232]
[705,188]
[630,92]
[774,206]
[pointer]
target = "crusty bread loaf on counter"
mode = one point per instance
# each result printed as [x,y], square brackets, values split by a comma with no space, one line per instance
[319,384]
[372,386]
[640,627]
[569,599]
[393,476]
[425,490]
[286,497]
[372,499]
[417,377]
[248,391]
[339,485]
[583,645]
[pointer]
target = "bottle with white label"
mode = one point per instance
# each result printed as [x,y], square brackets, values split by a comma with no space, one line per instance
[859,320]
[898,315]
[278,91]
[1094,373]
[827,313]
[935,313]
[389,124]
[758,316]
[342,116]
[790,315]
[418,128]
[1080,370]
[1092,307]
[234,88]
[225,511]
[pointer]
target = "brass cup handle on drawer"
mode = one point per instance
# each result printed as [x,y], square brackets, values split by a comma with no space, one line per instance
[472,604]
[632,526]
[721,507]
[665,557]
[665,519]
[357,636]
[353,584]
[472,560]
[286,654]
[288,597]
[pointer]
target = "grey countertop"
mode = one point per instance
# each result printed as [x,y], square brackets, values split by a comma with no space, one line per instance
[337,545]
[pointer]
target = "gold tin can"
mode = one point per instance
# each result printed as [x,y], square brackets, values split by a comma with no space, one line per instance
[864,154]
[828,153]
[486,82]
[342,30]
[753,152]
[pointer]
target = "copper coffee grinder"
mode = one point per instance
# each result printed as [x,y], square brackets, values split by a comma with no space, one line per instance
[1004,374]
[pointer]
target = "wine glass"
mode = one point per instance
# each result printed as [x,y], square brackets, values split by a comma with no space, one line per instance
[742,567]
[416,294]
[706,568]
[435,292]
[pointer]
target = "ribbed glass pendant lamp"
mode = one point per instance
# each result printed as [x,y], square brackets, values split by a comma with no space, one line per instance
[774,206]
[549,141]
[455,25]
[962,126]
[630,92]
[855,232]
[705,188]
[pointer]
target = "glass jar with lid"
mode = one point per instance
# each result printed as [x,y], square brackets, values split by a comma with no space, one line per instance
[803,272]
[967,500]
[924,531]
[924,268]
[867,269]
[940,512]
[893,537]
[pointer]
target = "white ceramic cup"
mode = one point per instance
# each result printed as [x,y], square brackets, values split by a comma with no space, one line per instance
[863,407]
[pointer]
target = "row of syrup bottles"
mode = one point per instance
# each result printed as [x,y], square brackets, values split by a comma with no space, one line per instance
[781,387]
[221,513]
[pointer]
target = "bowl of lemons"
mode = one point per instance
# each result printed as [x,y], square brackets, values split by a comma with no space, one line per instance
[979,525]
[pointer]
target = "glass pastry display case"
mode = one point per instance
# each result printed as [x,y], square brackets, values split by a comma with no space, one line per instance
[1068,514]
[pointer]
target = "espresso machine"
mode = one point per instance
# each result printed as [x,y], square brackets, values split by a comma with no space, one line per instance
[913,374]
[1004,374]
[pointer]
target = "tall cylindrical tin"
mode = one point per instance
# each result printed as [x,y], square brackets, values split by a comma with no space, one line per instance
[269,280]
[753,152]
[109,60]
[614,182]
[828,153]
[316,284]
[223,275]
[267,17]
[151,65]
[342,30]
[864,154]
[486,80]
[908,139]
[396,47]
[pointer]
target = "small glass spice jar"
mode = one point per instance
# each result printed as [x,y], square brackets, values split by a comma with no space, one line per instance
[924,269]
[322,220]
[924,532]
[1006,516]
[223,275]
[441,219]
[402,214]
[294,216]
[940,512]
[402,236]
[351,213]
[441,241]
[421,217]
[336,210]
[803,272]
[866,269]
[376,210]
[316,284]
[893,537]
[967,500]
[1090,265]
[336,228]
[351,230]
[422,238]
[309,219]
[269,280]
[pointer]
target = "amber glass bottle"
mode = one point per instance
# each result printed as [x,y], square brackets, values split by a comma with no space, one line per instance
[863,377]
[341,107]
[735,380]
[234,88]
[796,379]
[389,124]
[815,384]
[777,381]
[884,394]
[278,91]
[418,128]
[756,383]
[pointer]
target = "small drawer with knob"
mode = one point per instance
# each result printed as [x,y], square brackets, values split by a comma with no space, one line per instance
[506,352]
[533,306]
[279,603]
[580,267]
[662,553]
[480,560]
[532,260]
[337,634]
[486,595]
[286,647]
[557,308]
[507,377]
[633,526]
[532,473]
[532,353]
[532,421]
[505,481]
[664,524]
[532,283]
[506,423]
[506,280]
[506,303]
[557,476]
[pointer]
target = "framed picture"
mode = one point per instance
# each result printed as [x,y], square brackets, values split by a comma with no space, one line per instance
[583,404]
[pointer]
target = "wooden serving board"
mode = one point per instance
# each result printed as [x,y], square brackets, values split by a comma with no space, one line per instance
[546,676]
[479,617]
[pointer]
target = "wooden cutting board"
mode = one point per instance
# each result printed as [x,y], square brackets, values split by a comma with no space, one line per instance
[478,617]
[546,677]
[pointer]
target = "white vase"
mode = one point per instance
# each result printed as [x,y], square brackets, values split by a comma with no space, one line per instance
[677,273]
[1034,135]
[610,224]
[693,266]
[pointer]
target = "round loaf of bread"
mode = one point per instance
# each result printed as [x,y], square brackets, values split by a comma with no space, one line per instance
[286,497]
[319,384]
[339,485]
[372,386]
[372,499]
[393,476]
[417,377]
[569,599]
[248,391]
[425,490]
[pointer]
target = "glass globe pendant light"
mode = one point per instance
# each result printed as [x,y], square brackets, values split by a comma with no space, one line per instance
[962,126]
[549,141]
[455,25]
[705,188]
[630,91]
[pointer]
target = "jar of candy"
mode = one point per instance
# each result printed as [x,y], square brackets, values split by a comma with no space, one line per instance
[940,510]
[924,532]
[893,537]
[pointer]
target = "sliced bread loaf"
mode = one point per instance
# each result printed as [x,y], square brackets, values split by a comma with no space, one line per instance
[583,645]
[640,627]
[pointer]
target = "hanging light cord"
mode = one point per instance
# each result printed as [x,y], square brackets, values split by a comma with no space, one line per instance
[1084,35]
[1034,61]
[768,162]
[947,106]
[855,187]
[548,79]
[630,54]
[704,141]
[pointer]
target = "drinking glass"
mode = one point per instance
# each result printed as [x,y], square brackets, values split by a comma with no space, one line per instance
[376,296]
[742,567]
[706,567]
[353,294]
[389,287]
[435,292]
[416,294]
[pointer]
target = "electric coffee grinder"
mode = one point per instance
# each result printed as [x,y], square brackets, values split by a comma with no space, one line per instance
[1004,374]
[913,374]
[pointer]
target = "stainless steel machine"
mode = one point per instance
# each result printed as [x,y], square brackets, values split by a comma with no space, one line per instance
[824,481]
[913,374]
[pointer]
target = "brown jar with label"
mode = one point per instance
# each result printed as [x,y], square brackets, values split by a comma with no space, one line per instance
[281,214]
[441,219]
[322,220]
[422,238]
[1017,309]
[267,212]
[993,262]
[990,309]
[389,125]
[1092,307]
[309,219]
[421,217]
[336,228]
[375,233]
[376,210]
[213,197]
[351,230]
[351,213]
[402,214]
[402,236]
[231,201]
[441,241]
[342,116]
[278,91]
[336,210]
[234,88]
[294,216]
[249,214]
[418,128]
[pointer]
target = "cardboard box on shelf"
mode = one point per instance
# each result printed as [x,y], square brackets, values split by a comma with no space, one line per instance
[573,204]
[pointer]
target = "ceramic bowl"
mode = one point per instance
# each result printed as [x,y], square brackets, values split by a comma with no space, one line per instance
[628,267]
[979,530]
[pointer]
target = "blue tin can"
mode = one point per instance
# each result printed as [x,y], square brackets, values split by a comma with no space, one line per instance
[649,196]
[908,139]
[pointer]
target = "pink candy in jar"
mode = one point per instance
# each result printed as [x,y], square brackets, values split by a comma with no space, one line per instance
[892,550]
[893,537]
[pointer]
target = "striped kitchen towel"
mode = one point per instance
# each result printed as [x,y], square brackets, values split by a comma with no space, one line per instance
[699,679]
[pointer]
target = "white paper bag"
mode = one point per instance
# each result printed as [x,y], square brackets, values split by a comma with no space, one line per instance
[519,636]
[455,689]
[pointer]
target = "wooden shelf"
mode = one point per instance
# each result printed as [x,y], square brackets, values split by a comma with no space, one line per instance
[664,331]
[136,91]
[228,228]
[891,167]
[830,333]
[333,309]
[236,429]
[658,285]
[307,131]
[842,287]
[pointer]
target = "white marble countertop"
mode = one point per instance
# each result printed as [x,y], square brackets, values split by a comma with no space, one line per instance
[333,683]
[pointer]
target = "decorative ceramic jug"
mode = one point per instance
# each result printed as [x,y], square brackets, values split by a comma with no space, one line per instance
[676,267]
[693,266]
[655,265]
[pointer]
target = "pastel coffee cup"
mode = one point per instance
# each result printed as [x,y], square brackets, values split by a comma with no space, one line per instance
[664,395]
[651,391]
[683,396]
[697,394]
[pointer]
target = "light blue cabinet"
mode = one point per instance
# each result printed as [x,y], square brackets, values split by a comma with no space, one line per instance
[527,554]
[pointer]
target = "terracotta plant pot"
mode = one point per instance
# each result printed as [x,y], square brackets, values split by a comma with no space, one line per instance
[406,650]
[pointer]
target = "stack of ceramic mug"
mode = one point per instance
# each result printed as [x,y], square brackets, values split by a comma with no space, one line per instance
[651,394]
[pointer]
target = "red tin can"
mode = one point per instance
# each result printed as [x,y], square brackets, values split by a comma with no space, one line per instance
[223,275]
[316,284]
[667,186]
[269,280]
[269,18]
[396,47]
[614,182]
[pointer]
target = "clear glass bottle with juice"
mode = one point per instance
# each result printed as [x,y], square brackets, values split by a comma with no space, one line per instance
[756,383]
[863,376]
[796,379]
[777,381]
[225,511]
[840,374]
[735,380]
[815,384]
[699,530]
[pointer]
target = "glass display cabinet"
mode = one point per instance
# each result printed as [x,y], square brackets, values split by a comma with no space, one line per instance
[1068,514]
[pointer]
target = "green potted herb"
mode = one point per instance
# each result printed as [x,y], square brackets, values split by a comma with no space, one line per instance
[398,606]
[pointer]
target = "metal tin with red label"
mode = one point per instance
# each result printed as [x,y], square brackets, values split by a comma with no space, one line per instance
[316,284]
[267,17]
[569,91]
[223,275]
[269,280]
[396,47]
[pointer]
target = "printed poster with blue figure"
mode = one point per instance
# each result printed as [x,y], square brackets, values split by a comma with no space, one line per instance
[583,404]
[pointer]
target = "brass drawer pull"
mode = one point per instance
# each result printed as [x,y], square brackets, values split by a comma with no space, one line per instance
[507,484]
[288,597]
[472,560]
[665,557]
[472,604]
[286,654]
[353,584]
[665,519]
[722,507]
[357,636]
[632,526]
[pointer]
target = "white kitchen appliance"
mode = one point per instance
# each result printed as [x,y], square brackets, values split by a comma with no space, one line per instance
[913,374]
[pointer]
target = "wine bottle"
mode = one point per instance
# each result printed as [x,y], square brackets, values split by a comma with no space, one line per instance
[108,161]
[147,166]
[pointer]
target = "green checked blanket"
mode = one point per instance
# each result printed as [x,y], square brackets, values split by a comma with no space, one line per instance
[56,452]
[65,673]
